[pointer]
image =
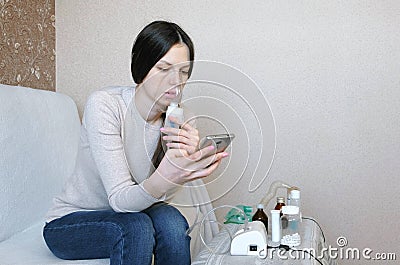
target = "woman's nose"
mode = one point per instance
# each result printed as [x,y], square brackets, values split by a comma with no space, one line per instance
[175,77]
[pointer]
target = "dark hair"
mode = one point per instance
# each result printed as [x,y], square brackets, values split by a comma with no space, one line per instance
[152,43]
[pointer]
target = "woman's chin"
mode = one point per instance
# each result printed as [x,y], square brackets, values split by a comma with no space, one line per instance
[162,106]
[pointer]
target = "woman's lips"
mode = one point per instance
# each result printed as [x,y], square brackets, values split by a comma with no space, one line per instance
[170,95]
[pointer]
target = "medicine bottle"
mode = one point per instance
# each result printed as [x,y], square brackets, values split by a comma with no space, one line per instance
[280,201]
[289,194]
[295,198]
[260,215]
[290,226]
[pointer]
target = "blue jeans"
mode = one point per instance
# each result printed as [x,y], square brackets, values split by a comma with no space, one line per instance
[125,238]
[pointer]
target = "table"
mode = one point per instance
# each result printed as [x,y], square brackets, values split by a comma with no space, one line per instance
[312,241]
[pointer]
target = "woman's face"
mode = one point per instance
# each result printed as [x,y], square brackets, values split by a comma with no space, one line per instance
[167,75]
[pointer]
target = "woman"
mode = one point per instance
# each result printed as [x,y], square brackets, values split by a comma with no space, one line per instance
[111,206]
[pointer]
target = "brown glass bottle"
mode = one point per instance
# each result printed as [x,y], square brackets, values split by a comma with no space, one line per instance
[280,201]
[260,215]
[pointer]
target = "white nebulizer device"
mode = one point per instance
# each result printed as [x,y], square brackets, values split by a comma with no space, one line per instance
[174,110]
[251,241]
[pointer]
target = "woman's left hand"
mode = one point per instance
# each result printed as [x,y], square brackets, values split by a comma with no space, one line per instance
[186,138]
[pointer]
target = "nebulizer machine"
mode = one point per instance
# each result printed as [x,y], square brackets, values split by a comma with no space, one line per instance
[252,239]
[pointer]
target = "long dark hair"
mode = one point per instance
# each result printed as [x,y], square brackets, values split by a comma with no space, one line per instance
[151,44]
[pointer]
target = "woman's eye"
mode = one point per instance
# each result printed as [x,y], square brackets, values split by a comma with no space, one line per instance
[163,69]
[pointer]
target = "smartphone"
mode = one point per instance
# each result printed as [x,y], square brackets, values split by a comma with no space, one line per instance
[219,141]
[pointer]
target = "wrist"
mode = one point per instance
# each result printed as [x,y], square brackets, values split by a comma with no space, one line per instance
[157,185]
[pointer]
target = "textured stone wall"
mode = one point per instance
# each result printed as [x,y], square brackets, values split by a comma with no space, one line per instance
[27,43]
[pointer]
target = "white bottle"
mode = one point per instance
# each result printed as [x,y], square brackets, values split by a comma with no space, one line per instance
[295,200]
[290,226]
[275,228]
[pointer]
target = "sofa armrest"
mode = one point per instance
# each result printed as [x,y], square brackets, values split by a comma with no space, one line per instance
[38,146]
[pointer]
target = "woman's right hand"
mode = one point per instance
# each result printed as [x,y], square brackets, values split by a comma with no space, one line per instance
[178,167]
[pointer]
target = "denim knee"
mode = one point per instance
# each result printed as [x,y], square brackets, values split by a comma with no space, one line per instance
[169,223]
[172,242]
[137,235]
[130,226]
[126,238]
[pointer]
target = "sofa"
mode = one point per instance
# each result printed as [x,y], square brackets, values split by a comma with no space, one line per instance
[39,134]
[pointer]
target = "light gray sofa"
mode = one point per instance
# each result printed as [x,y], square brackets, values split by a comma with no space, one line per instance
[39,134]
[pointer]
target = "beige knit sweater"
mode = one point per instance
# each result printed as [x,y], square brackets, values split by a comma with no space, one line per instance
[114,158]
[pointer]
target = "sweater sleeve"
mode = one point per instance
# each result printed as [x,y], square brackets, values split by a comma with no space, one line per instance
[103,125]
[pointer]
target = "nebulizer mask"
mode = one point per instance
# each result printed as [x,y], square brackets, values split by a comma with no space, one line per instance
[174,110]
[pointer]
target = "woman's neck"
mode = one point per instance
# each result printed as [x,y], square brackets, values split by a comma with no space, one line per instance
[146,107]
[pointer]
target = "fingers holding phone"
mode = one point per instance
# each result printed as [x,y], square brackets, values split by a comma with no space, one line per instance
[179,167]
[185,137]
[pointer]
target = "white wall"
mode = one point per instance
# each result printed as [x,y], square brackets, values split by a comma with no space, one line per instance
[330,70]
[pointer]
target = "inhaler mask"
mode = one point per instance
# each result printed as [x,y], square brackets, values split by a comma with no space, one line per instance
[178,96]
[174,110]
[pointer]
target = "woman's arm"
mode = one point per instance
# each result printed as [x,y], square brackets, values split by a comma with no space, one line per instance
[178,167]
[103,124]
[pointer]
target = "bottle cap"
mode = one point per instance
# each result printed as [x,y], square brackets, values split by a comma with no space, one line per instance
[260,206]
[275,212]
[280,200]
[290,210]
[295,194]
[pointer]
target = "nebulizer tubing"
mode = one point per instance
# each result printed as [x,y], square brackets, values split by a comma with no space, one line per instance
[205,218]
[272,191]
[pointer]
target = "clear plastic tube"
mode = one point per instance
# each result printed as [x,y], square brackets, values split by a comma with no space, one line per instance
[272,191]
